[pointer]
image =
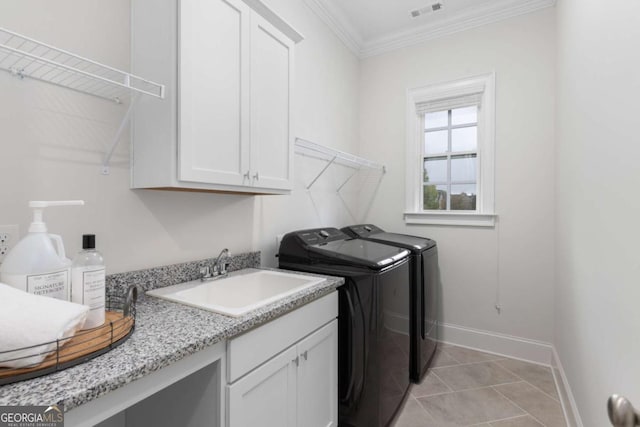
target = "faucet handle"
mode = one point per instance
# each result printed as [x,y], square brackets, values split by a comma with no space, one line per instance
[223,268]
[205,271]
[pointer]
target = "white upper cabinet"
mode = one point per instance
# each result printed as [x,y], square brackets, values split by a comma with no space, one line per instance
[214,128]
[271,83]
[226,122]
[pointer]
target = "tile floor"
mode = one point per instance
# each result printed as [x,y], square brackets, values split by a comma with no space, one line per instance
[469,388]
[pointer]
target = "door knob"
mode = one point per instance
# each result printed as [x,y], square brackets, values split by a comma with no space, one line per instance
[621,412]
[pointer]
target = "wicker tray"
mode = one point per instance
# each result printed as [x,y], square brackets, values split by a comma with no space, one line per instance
[84,345]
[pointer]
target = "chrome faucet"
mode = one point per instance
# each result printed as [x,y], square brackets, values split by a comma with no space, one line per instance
[219,267]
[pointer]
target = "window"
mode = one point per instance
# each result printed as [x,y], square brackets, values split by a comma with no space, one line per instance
[450,153]
[450,160]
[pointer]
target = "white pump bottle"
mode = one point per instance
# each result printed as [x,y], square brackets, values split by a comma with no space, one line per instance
[38,264]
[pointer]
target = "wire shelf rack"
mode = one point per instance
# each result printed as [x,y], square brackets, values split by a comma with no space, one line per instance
[358,164]
[322,152]
[26,57]
[335,157]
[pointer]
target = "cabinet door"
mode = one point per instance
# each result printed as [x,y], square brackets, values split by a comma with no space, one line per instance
[213,108]
[318,378]
[266,397]
[271,85]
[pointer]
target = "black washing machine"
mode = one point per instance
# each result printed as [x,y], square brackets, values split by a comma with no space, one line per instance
[424,292]
[373,358]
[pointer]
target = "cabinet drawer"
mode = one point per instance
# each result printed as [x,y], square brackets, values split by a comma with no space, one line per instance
[249,350]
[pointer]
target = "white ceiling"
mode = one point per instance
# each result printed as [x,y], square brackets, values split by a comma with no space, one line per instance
[371,27]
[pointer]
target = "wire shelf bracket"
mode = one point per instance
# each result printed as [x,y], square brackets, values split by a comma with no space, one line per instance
[116,139]
[337,157]
[24,57]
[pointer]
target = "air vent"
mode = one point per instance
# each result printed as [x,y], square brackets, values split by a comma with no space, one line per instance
[434,7]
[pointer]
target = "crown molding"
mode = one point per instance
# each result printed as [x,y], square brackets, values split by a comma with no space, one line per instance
[336,20]
[458,23]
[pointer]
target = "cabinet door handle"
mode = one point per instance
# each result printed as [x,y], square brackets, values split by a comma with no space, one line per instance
[296,361]
[247,175]
[256,176]
[304,355]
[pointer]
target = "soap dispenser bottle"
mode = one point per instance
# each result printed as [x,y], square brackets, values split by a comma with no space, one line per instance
[37,264]
[88,281]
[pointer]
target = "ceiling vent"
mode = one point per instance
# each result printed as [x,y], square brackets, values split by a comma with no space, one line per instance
[434,7]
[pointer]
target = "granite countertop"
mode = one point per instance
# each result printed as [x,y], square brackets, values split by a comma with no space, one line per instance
[165,333]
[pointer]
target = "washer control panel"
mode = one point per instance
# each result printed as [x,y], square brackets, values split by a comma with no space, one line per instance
[322,235]
[363,230]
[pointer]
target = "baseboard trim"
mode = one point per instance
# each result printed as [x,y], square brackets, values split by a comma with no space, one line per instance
[501,344]
[518,348]
[567,400]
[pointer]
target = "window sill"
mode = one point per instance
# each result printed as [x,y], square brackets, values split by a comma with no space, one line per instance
[463,219]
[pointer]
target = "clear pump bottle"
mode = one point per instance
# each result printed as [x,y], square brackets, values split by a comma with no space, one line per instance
[88,281]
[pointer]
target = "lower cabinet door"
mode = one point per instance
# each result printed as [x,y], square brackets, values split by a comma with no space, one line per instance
[266,397]
[318,378]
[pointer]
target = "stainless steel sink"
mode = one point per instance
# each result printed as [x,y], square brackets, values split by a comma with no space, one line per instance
[239,293]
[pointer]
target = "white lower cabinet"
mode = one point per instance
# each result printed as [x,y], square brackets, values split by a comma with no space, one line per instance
[285,373]
[267,396]
[298,387]
[317,390]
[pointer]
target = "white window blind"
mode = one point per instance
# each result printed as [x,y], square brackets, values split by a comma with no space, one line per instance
[448,103]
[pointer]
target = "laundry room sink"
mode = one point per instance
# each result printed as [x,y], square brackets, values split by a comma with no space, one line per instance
[239,292]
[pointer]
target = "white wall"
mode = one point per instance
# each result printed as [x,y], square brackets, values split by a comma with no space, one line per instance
[327,113]
[514,259]
[52,140]
[598,267]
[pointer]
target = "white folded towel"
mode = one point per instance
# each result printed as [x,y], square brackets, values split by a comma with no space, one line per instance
[28,320]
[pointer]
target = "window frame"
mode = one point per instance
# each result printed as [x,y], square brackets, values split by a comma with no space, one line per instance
[484,215]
